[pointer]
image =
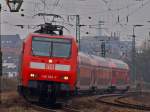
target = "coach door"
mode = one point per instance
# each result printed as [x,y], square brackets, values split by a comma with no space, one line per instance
[85,77]
[113,79]
[78,77]
[93,79]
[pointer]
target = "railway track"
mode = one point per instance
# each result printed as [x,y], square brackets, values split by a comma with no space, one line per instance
[109,99]
[69,108]
[60,107]
[42,108]
[117,100]
[51,109]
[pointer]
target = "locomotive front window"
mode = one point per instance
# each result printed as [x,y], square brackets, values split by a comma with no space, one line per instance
[61,50]
[41,48]
[52,47]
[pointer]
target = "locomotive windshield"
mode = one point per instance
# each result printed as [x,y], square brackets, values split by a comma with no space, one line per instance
[52,47]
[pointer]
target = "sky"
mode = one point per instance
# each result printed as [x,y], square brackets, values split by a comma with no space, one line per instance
[108,11]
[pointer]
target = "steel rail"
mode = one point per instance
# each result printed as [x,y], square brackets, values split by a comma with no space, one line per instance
[61,107]
[131,105]
[43,109]
[116,102]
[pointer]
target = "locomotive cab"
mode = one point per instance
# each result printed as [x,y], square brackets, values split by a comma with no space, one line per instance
[48,65]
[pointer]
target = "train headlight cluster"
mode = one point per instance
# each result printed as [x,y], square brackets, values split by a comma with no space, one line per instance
[33,75]
[65,77]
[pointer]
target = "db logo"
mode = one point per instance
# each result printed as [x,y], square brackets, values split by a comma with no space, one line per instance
[49,66]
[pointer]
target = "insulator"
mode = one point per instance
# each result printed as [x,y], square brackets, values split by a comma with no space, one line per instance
[118,19]
[127,19]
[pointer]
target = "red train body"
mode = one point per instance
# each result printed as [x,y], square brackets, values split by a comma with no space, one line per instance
[51,66]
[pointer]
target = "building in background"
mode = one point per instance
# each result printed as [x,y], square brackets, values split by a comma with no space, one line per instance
[11,49]
[114,47]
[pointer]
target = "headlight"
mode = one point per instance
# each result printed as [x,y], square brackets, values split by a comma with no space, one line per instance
[33,75]
[65,77]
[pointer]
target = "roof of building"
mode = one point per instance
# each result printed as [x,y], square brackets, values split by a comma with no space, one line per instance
[10,41]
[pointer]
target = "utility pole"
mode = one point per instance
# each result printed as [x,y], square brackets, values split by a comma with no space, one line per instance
[100,23]
[0,60]
[149,41]
[149,37]
[134,54]
[78,29]
[103,49]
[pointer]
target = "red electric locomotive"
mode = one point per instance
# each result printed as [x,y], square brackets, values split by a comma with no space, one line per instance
[51,67]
